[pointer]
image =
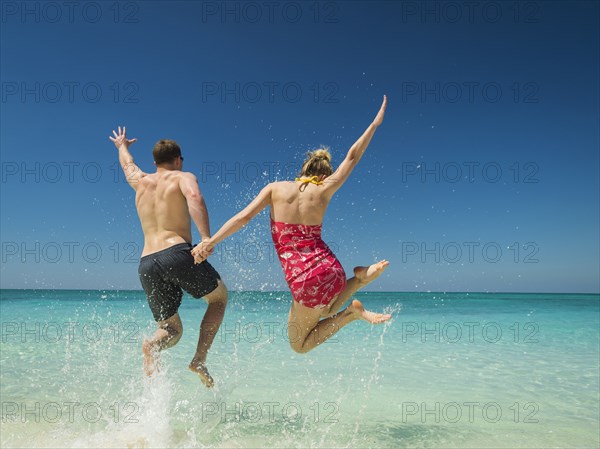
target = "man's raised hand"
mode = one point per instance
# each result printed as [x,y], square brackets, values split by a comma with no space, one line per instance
[121,138]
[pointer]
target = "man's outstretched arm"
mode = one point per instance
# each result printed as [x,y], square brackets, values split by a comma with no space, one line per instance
[196,205]
[133,173]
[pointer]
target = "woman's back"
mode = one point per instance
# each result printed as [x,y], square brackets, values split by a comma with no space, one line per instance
[299,203]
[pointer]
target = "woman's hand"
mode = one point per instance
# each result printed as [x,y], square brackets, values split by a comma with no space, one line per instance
[202,250]
[379,119]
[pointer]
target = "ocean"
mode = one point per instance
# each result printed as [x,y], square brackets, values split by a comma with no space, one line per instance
[450,370]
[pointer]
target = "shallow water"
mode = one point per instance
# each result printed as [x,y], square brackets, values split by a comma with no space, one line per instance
[449,370]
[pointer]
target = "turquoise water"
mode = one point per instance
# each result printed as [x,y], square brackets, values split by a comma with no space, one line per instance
[449,370]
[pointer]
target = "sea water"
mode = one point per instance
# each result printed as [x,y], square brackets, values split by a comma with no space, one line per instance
[449,370]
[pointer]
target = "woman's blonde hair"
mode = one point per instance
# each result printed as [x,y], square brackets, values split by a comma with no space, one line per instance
[317,163]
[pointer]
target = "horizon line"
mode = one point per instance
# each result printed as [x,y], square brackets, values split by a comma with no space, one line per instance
[287,291]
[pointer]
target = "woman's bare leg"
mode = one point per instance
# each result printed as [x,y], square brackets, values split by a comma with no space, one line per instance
[306,332]
[362,277]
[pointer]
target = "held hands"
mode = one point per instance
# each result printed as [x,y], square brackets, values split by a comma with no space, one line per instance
[379,119]
[202,250]
[121,138]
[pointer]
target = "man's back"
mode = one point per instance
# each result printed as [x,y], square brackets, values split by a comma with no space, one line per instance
[163,211]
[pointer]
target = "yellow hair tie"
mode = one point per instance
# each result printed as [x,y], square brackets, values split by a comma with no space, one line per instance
[312,179]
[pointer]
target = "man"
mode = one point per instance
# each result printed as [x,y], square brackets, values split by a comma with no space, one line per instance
[165,201]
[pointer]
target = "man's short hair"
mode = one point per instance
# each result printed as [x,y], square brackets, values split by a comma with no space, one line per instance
[165,151]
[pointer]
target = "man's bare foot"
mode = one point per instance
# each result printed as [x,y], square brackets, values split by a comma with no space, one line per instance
[374,318]
[366,275]
[150,358]
[200,369]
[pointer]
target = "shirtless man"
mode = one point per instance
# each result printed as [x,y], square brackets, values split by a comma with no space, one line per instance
[165,201]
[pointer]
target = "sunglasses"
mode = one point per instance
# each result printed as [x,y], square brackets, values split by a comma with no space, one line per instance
[181,158]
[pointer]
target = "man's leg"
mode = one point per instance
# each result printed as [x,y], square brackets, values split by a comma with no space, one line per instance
[168,334]
[217,302]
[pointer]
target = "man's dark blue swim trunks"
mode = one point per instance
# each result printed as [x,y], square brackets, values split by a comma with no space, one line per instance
[165,273]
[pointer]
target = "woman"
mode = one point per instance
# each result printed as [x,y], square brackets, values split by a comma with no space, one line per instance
[315,277]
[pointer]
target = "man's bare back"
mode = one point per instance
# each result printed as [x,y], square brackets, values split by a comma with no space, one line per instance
[163,210]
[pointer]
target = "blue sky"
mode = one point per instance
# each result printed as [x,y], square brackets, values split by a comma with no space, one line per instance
[483,177]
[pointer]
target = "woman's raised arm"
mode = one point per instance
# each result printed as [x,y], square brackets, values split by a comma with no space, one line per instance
[355,152]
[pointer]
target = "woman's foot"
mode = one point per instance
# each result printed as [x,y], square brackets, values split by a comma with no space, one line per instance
[366,275]
[359,311]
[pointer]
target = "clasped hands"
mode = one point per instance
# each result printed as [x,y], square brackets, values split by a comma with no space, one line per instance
[202,250]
